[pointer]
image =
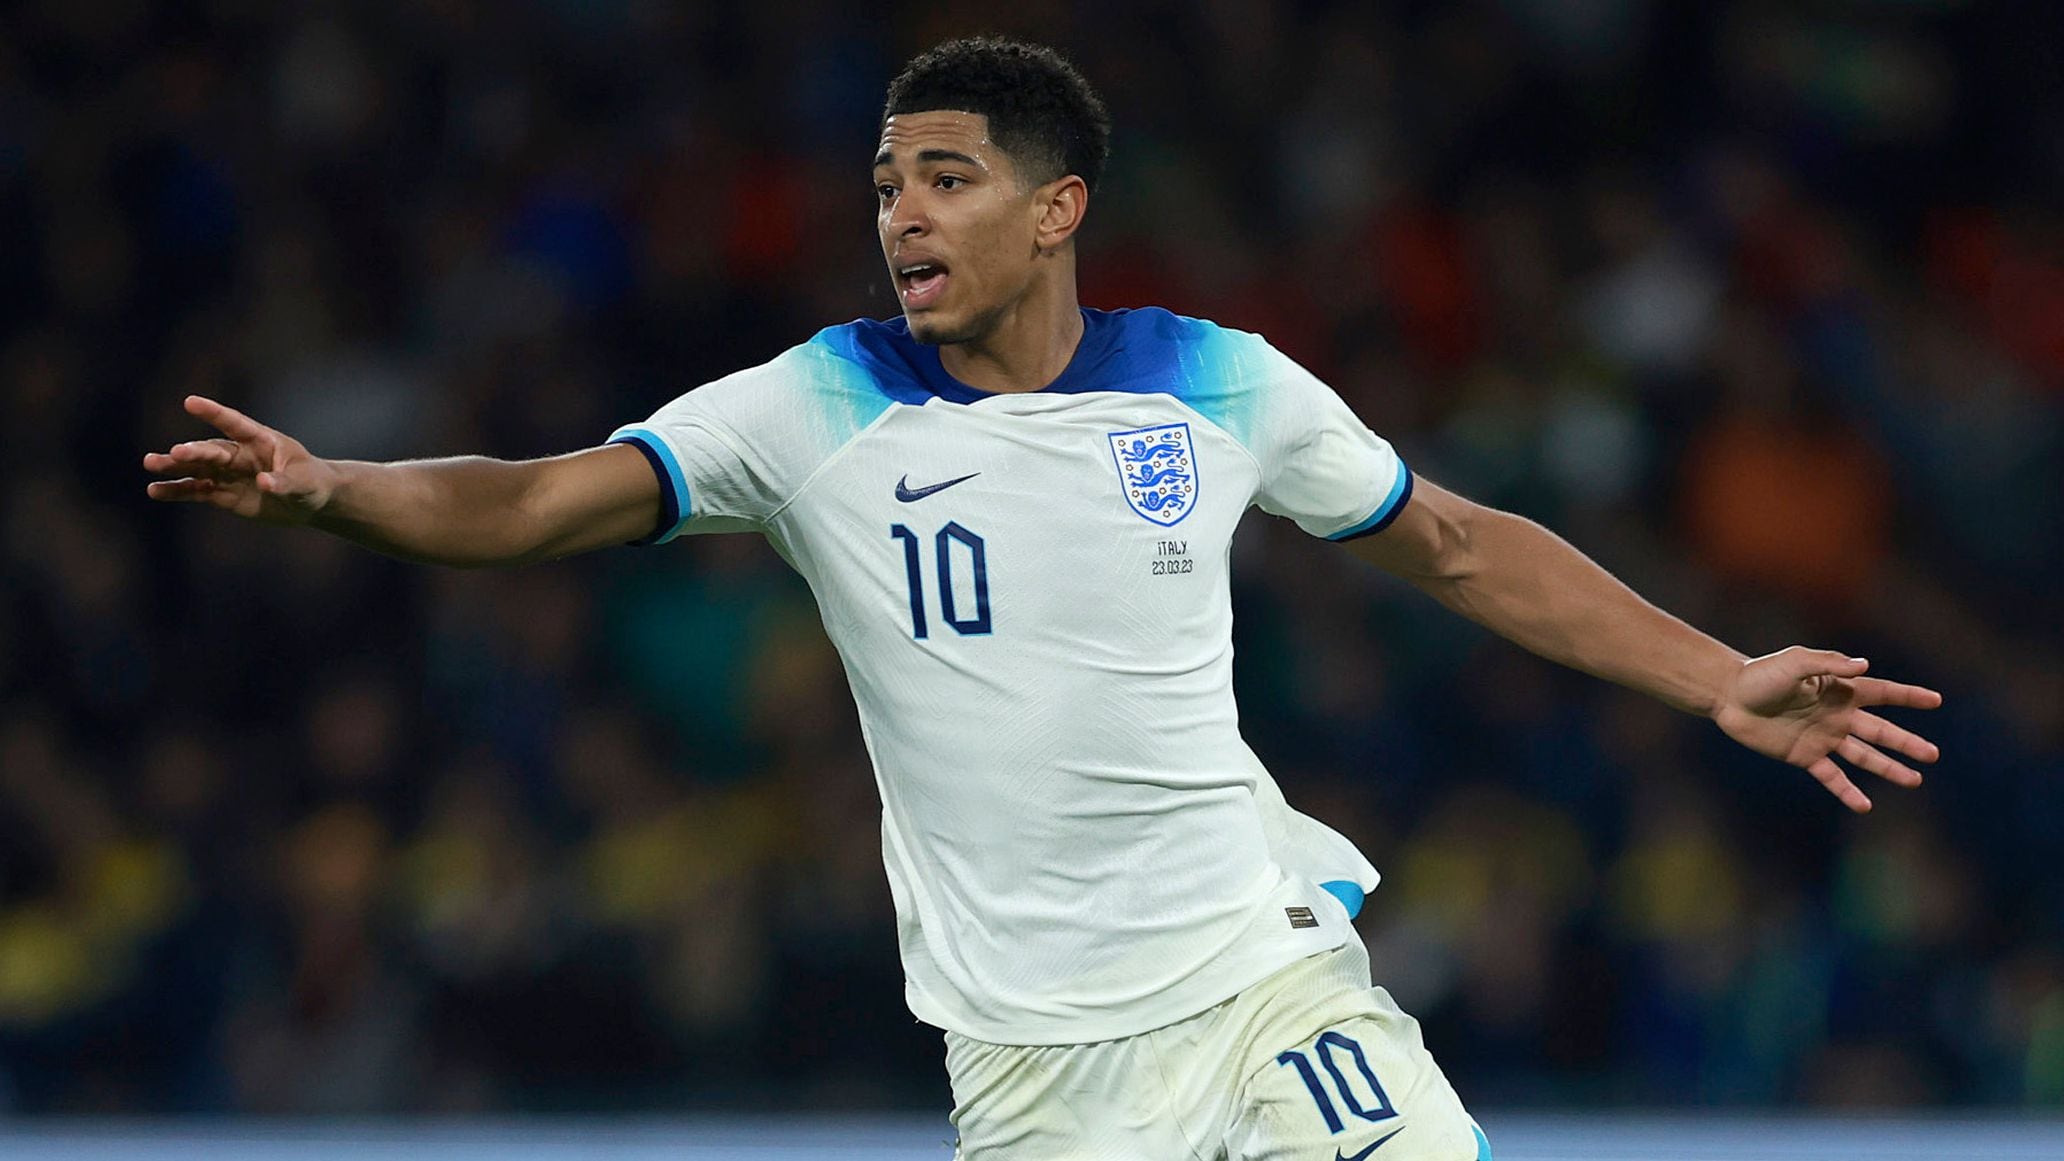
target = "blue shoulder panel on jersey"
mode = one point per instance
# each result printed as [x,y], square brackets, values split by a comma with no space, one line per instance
[674,501]
[1349,894]
[1380,519]
[1483,1145]
[1148,351]
[884,350]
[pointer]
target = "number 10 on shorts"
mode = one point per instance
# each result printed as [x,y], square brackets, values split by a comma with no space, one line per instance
[1329,1048]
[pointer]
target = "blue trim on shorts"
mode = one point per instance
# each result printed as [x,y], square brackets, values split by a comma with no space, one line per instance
[1483,1144]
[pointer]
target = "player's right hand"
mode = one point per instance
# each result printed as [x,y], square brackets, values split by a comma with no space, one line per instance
[256,472]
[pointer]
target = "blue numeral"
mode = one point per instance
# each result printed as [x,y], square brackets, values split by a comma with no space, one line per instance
[1383,1110]
[979,623]
[1311,1081]
[914,573]
[1324,1049]
[917,616]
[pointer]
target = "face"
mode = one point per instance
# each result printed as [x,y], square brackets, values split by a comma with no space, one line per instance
[961,237]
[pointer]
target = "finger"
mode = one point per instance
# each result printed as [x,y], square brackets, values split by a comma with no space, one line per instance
[1866,757]
[179,490]
[228,420]
[205,451]
[1879,732]
[1874,691]
[165,465]
[1800,663]
[197,491]
[1830,775]
[212,458]
[181,456]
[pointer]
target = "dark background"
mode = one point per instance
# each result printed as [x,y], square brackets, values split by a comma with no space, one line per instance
[1762,304]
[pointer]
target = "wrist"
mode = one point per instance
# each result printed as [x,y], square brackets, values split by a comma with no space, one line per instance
[1718,682]
[328,504]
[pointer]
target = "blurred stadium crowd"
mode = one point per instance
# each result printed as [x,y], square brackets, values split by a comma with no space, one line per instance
[1761,304]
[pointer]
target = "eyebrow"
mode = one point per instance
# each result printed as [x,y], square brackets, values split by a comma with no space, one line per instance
[932,155]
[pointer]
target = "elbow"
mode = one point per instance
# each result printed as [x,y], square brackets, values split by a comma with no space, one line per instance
[1452,556]
[1439,542]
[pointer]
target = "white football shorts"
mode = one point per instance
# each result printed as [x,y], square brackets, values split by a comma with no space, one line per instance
[1310,1064]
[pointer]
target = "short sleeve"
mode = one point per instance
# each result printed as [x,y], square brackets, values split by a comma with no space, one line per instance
[1320,465]
[730,454]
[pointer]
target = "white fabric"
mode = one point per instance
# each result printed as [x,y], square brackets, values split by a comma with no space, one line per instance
[1309,1064]
[1079,844]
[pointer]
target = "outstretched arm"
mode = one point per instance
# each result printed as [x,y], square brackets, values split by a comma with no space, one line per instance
[469,511]
[1802,706]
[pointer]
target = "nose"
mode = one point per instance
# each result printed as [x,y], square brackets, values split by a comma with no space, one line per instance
[906,217]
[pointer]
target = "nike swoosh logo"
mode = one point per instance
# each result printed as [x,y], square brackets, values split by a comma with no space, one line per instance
[906,493]
[1339,1156]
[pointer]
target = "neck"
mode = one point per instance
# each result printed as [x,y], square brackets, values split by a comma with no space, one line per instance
[1029,346]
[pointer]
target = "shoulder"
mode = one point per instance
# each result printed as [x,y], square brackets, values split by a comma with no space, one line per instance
[785,416]
[1214,361]
[1150,328]
[1226,375]
[875,356]
[841,379]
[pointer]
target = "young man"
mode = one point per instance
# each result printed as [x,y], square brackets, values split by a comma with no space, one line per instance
[1015,515]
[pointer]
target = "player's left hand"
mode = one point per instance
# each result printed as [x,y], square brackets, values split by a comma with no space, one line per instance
[1808,706]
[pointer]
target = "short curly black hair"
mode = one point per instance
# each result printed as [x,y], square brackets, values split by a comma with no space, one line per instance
[1040,109]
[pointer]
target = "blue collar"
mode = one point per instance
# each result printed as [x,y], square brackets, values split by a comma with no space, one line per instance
[1100,341]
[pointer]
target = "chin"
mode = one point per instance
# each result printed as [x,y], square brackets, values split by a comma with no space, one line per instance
[934,331]
[938,329]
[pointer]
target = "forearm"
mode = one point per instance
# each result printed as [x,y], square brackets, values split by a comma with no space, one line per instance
[468,511]
[1527,584]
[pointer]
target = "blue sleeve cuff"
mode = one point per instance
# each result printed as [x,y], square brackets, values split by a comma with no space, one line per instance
[674,508]
[1377,521]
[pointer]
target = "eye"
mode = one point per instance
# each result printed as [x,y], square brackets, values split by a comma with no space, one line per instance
[948,181]
[884,191]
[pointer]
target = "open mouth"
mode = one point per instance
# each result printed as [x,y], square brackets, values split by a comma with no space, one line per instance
[920,284]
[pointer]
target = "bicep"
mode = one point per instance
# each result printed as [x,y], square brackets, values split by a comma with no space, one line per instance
[1429,540]
[592,499]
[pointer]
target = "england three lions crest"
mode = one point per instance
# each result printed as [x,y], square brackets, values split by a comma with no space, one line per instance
[1157,471]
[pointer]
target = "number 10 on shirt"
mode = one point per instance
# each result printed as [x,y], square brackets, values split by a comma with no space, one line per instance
[943,550]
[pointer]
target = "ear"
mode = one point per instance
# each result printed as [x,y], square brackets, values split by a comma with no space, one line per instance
[1061,204]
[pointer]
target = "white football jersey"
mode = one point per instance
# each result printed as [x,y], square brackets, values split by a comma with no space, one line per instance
[1030,595]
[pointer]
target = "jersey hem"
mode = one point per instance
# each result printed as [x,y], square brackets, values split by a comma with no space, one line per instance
[1056,1032]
